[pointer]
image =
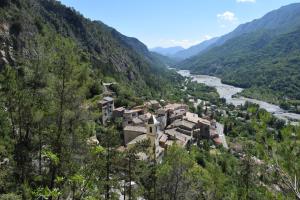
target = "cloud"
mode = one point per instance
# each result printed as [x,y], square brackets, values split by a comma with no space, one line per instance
[186,43]
[207,37]
[246,1]
[228,16]
[183,43]
[227,19]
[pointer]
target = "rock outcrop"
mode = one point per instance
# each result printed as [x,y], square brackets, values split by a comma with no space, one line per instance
[6,50]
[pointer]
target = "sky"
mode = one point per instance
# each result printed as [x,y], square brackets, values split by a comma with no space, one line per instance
[167,23]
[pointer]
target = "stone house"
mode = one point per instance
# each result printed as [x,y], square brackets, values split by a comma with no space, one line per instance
[107,107]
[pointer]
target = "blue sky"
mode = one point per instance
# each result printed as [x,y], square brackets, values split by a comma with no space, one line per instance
[174,22]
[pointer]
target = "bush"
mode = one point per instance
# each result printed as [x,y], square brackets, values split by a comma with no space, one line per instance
[94,89]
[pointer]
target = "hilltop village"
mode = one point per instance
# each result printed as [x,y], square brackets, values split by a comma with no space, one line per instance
[162,123]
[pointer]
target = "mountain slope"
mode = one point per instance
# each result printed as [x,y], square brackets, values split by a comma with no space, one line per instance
[194,50]
[113,54]
[282,21]
[165,59]
[265,58]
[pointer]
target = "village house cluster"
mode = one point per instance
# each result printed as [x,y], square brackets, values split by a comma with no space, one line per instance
[161,123]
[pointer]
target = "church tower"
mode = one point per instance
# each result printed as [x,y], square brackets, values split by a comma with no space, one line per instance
[152,134]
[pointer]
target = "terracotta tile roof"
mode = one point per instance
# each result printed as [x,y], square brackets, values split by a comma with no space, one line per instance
[139,129]
[177,135]
[163,138]
[175,106]
[192,117]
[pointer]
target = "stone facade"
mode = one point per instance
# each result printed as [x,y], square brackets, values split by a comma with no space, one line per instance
[107,107]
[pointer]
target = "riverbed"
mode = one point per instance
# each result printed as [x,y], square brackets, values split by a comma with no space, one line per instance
[228,91]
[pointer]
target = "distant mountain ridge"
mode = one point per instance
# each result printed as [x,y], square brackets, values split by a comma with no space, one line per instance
[281,22]
[262,55]
[194,50]
[169,51]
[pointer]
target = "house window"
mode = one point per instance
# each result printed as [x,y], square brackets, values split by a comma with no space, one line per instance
[150,129]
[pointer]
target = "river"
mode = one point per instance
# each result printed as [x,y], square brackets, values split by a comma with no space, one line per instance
[227,92]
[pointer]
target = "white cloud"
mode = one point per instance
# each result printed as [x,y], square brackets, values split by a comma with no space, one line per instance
[207,37]
[185,43]
[227,16]
[227,19]
[246,1]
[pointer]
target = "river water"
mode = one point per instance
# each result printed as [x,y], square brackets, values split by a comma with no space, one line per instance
[227,91]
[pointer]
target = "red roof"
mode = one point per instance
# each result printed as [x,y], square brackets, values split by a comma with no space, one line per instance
[217,141]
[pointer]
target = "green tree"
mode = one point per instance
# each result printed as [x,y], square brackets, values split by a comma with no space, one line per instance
[178,176]
[66,90]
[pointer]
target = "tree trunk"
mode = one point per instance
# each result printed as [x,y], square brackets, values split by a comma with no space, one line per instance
[107,196]
[129,168]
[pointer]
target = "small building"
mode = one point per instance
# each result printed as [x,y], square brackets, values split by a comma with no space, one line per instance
[176,106]
[182,139]
[107,107]
[129,115]
[145,117]
[162,118]
[154,104]
[185,127]
[163,140]
[118,112]
[203,124]
[175,115]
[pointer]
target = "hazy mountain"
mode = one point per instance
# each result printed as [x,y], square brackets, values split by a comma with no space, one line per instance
[194,50]
[262,55]
[170,51]
[168,61]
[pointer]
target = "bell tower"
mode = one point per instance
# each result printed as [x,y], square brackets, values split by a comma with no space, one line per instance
[152,134]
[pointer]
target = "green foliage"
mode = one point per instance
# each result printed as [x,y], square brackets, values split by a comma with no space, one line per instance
[263,62]
[46,193]
[51,156]
[179,177]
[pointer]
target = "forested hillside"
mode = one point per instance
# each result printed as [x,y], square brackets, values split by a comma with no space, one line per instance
[264,59]
[27,25]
